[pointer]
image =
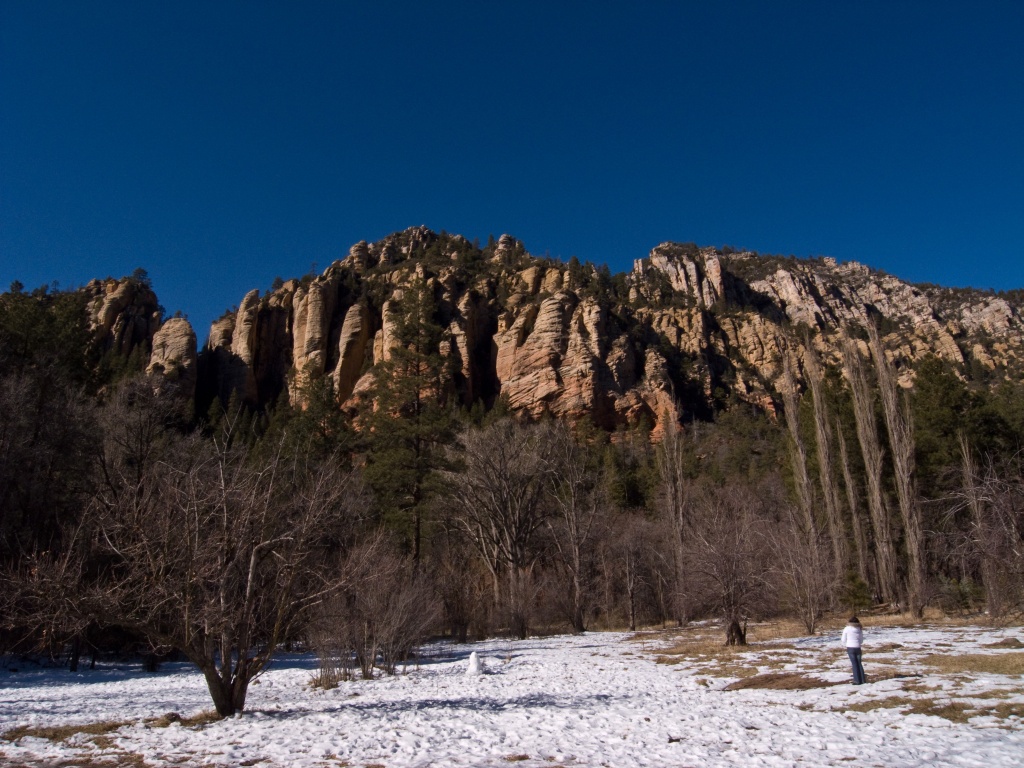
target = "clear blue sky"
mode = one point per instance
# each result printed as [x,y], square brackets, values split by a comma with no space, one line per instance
[220,144]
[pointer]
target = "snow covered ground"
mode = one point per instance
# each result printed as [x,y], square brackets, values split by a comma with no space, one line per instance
[600,699]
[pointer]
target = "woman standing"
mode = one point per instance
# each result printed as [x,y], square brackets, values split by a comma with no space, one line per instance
[853,636]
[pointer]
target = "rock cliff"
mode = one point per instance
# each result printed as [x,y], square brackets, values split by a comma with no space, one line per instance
[172,365]
[683,332]
[123,314]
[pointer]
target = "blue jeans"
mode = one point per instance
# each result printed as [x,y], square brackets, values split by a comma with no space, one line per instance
[858,668]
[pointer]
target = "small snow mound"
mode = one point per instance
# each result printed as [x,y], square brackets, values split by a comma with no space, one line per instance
[476,667]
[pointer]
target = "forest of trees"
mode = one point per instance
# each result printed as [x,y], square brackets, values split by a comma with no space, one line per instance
[130,524]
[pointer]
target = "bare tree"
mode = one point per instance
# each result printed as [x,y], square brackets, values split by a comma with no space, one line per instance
[873,455]
[673,499]
[499,500]
[852,500]
[385,610]
[729,555]
[629,549]
[900,426]
[994,537]
[798,452]
[826,471]
[576,495]
[806,588]
[802,559]
[210,553]
[464,587]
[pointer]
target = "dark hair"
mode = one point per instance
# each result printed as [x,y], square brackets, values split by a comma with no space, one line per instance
[854,620]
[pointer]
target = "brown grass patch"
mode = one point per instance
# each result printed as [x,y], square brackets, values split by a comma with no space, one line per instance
[786,681]
[62,733]
[120,760]
[1008,709]
[955,711]
[985,663]
[887,648]
[193,721]
[775,630]
[515,758]
[920,688]
[999,693]
[878,672]
[1006,642]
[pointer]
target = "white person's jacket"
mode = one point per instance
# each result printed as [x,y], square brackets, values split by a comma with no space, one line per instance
[853,635]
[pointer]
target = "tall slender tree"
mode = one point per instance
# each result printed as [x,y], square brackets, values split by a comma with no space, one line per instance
[826,470]
[873,455]
[410,421]
[900,427]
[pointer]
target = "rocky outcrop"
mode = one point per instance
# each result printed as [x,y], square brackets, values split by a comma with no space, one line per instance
[353,344]
[123,314]
[684,331]
[173,363]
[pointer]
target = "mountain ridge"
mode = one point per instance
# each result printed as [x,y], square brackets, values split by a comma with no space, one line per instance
[687,330]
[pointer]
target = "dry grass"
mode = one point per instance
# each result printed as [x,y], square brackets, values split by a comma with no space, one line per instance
[786,681]
[121,760]
[999,693]
[956,711]
[194,721]
[1006,642]
[515,758]
[985,663]
[99,730]
[920,688]
[62,733]
[887,648]
[1008,709]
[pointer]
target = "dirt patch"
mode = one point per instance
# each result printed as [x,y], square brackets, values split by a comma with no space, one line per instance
[786,681]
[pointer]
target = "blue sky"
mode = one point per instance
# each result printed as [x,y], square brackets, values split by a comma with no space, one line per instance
[220,144]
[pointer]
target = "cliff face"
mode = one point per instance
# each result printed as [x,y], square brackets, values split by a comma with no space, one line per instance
[126,321]
[123,314]
[172,365]
[685,327]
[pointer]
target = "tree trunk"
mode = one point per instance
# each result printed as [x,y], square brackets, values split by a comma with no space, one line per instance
[673,479]
[859,536]
[736,634]
[228,696]
[798,454]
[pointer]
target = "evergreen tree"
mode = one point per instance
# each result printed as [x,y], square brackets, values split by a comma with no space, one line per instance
[410,421]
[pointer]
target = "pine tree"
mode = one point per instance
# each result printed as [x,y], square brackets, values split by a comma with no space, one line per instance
[409,423]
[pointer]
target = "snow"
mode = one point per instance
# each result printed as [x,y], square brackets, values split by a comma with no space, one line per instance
[599,699]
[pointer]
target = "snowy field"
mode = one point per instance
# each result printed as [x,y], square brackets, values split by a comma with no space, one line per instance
[601,699]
